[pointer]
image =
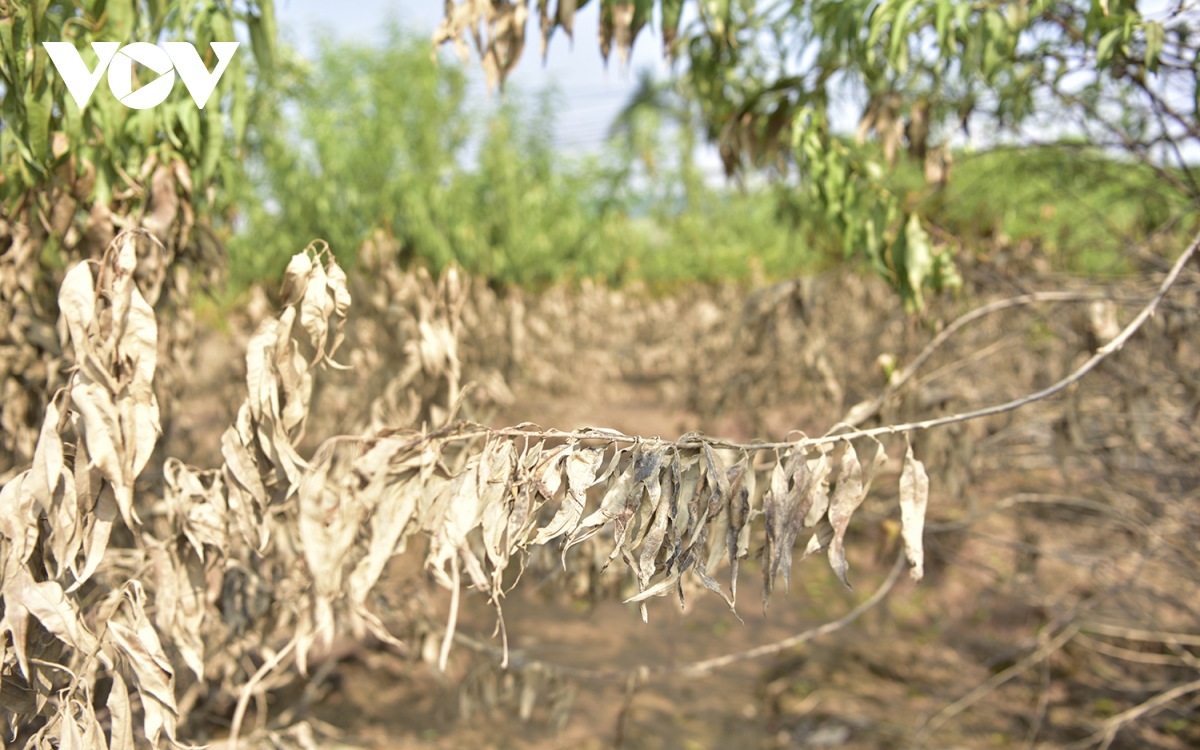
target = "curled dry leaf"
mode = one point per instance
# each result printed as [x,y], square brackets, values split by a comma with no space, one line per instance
[482,498]
[914,497]
[798,490]
[847,496]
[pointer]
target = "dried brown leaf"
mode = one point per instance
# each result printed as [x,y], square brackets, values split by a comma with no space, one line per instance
[390,517]
[581,473]
[121,714]
[46,601]
[295,279]
[847,496]
[914,498]
[77,305]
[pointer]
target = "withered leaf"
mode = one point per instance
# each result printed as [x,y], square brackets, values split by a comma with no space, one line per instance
[122,715]
[155,680]
[613,504]
[45,473]
[101,425]
[782,521]
[817,480]
[77,305]
[295,279]
[95,542]
[581,473]
[914,497]
[847,496]
[46,601]
[389,520]
[741,487]
[330,512]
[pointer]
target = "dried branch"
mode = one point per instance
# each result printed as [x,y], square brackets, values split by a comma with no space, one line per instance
[864,411]
[267,667]
[1047,647]
[1128,654]
[1106,734]
[1137,634]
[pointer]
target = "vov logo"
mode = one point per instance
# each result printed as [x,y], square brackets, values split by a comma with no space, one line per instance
[172,57]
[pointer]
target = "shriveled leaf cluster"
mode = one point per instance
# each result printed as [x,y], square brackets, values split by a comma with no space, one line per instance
[167,620]
[171,621]
[497,28]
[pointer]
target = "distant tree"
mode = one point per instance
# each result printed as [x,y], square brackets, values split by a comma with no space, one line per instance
[766,75]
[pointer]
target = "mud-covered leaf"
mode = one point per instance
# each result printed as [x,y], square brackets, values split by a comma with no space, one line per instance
[121,715]
[914,497]
[295,279]
[581,473]
[77,305]
[46,601]
[782,524]
[847,496]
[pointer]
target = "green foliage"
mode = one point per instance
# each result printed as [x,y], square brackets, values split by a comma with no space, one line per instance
[359,136]
[927,67]
[362,149]
[1082,208]
[406,154]
[44,135]
[765,77]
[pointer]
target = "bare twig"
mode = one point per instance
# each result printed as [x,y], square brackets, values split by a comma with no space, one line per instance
[1108,732]
[1043,705]
[861,413]
[1048,647]
[1136,634]
[1127,654]
[248,689]
[774,648]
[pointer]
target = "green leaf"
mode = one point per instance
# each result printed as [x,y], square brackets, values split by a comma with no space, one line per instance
[239,112]
[996,43]
[642,11]
[877,22]
[898,37]
[158,12]
[942,24]
[1106,47]
[945,273]
[189,120]
[121,15]
[672,11]
[146,122]
[213,143]
[263,52]
[8,51]
[222,28]
[39,12]
[37,120]
[918,257]
[72,122]
[1154,44]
